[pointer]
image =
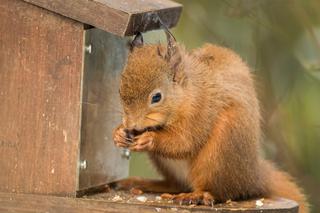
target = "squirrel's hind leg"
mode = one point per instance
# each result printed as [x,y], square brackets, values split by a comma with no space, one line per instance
[196,198]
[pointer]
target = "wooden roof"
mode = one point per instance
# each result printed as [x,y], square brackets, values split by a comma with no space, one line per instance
[120,17]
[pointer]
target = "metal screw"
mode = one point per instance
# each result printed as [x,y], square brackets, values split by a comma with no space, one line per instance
[83,165]
[88,48]
[126,154]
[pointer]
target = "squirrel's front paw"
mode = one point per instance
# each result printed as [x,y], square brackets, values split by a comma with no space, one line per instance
[120,138]
[143,142]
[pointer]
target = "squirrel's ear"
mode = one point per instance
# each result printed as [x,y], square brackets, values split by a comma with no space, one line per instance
[173,57]
[137,41]
[173,54]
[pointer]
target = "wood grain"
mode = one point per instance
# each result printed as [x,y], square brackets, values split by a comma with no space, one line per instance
[41,55]
[20,203]
[120,17]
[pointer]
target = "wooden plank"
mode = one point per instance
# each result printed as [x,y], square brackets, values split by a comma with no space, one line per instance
[120,17]
[101,111]
[41,56]
[20,203]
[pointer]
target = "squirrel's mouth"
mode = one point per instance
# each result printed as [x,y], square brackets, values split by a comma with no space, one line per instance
[135,132]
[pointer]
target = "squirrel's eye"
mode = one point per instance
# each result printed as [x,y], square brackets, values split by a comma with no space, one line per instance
[156,98]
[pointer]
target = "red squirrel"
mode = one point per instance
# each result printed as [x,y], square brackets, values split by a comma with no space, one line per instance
[197,116]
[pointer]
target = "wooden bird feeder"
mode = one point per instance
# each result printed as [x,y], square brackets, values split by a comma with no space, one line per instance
[60,62]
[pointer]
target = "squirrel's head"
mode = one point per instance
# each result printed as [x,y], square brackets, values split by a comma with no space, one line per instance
[151,86]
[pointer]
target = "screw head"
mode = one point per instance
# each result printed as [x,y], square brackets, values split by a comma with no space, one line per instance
[88,48]
[83,164]
[126,153]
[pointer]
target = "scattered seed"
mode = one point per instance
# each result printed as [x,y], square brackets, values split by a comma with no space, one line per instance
[259,203]
[158,209]
[142,199]
[117,198]
[229,201]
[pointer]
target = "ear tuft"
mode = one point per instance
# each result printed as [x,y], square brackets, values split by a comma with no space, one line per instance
[173,55]
[171,45]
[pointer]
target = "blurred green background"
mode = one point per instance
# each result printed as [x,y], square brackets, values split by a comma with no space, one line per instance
[280,40]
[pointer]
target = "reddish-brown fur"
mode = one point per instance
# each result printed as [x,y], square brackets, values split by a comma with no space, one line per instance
[210,121]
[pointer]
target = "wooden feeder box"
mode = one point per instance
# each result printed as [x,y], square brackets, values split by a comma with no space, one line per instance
[60,62]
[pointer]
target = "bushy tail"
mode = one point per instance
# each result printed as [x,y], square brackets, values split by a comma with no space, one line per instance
[283,185]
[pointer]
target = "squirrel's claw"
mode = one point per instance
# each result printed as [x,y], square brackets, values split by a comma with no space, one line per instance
[193,198]
[120,138]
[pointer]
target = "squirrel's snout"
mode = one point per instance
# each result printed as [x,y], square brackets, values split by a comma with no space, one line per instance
[131,128]
[132,124]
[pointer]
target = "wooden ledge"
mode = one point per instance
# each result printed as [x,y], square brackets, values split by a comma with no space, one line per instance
[120,17]
[125,202]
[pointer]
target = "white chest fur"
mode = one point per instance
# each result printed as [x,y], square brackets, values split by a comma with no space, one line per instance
[178,168]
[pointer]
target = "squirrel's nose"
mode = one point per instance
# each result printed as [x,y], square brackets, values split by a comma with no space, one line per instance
[130,128]
[129,124]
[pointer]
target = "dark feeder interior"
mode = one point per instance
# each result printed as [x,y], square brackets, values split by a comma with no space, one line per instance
[57,149]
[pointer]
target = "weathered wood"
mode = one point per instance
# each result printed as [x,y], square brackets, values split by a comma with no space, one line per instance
[120,17]
[101,109]
[41,55]
[36,203]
